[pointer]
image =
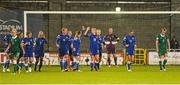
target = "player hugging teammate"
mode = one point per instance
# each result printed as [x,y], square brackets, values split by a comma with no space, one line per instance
[69,46]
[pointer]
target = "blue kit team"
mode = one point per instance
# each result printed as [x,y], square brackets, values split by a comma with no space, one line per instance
[69,45]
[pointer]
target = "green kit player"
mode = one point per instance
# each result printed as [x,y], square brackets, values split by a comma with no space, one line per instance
[14,49]
[162,47]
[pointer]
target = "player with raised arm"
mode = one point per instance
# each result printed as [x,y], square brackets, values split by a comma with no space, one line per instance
[39,49]
[76,43]
[28,43]
[129,41]
[110,41]
[93,47]
[162,44]
[14,49]
[62,42]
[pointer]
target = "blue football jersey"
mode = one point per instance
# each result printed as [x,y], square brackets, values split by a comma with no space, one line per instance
[76,43]
[29,44]
[40,43]
[63,42]
[129,40]
[94,42]
[100,41]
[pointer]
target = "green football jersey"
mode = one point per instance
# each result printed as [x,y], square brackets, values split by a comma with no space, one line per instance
[15,44]
[162,42]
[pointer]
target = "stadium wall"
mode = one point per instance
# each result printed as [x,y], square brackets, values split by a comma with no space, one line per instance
[146,27]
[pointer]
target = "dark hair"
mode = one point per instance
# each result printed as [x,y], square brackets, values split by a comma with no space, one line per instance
[28,33]
[163,29]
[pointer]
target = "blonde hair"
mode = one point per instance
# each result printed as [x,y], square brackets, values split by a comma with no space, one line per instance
[41,33]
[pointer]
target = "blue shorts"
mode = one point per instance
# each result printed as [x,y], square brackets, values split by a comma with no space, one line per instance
[39,53]
[28,54]
[76,53]
[94,52]
[63,53]
[129,52]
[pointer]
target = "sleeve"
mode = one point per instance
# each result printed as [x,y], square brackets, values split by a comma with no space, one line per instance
[57,39]
[135,39]
[178,44]
[157,37]
[23,40]
[5,38]
[45,40]
[124,41]
[167,37]
[19,41]
[116,38]
[105,38]
[88,35]
[103,41]
[34,40]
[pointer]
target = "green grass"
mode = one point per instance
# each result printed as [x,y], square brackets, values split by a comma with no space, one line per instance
[106,75]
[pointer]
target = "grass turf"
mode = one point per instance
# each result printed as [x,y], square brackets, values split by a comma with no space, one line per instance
[106,75]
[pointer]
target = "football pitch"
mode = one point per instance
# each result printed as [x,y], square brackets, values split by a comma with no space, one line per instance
[106,75]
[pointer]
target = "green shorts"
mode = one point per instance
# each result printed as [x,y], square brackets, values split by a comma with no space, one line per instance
[13,55]
[162,52]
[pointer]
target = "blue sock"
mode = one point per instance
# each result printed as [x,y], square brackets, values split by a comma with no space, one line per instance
[61,64]
[21,65]
[94,64]
[73,63]
[129,65]
[66,64]
[26,66]
[6,64]
[97,65]
[77,65]
[91,64]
